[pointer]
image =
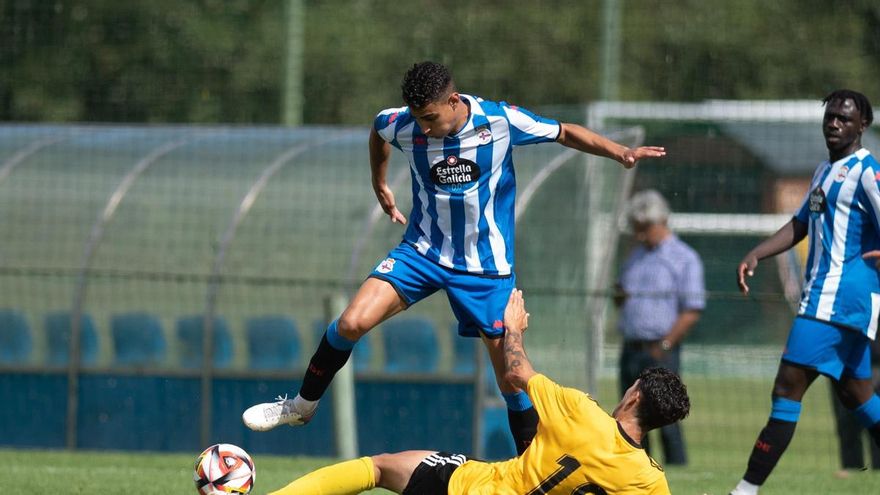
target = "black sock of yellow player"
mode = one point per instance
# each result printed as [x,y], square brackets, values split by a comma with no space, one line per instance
[345,478]
[771,443]
[523,427]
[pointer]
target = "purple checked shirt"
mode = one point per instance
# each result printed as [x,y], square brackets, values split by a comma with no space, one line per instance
[660,283]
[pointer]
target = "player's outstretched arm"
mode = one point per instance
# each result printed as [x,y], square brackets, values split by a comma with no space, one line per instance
[518,368]
[583,139]
[784,239]
[380,153]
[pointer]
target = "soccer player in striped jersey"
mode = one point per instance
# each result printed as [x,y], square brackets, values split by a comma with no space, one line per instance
[579,448]
[459,235]
[837,317]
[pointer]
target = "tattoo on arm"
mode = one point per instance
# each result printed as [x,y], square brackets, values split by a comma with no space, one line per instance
[514,354]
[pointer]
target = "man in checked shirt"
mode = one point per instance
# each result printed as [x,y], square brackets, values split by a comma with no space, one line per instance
[660,293]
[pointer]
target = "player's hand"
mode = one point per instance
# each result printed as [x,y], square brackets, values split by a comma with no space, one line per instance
[632,156]
[873,255]
[656,351]
[515,316]
[386,201]
[746,268]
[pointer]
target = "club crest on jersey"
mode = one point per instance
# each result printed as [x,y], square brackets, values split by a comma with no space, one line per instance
[817,200]
[452,172]
[386,265]
[841,174]
[484,135]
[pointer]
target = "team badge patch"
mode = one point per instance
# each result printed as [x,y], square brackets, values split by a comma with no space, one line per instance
[386,265]
[484,135]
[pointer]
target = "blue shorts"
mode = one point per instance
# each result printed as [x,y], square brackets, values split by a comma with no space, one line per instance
[829,349]
[477,302]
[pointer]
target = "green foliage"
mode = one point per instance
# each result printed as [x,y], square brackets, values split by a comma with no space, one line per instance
[161,61]
[223,61]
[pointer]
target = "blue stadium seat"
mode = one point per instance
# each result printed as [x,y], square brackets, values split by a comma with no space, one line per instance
[362,353]
[410,345]
[189,336]
[497,440]
[273,343]
[16,342]
[138,340]
[58,339]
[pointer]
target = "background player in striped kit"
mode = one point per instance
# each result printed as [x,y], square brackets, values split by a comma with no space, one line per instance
[579,447]
[460,232]
[840,301]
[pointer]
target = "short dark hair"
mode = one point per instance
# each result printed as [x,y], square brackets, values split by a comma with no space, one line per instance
[664,398]
[425,82]
[860,100]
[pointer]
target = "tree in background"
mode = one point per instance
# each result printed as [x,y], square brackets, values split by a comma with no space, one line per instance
[212,61]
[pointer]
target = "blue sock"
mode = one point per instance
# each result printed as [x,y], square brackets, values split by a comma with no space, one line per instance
[869,412]
[518,401]
[337,341]
[785,409]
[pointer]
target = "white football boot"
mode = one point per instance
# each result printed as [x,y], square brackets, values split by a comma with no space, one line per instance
[268,415]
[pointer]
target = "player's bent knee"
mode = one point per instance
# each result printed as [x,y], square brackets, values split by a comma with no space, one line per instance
[380,463]
[351,327]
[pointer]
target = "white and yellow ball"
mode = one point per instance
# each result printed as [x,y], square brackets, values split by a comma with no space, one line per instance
[222,469]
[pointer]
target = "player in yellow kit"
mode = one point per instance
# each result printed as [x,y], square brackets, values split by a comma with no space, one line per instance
[579,448]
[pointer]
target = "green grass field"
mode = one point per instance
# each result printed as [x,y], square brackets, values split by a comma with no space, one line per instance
[58,472]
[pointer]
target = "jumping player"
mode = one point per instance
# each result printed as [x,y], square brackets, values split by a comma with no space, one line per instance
[460,231]
[579,448]
[840,302]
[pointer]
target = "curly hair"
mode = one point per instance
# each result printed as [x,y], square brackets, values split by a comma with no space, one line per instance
[664,398]
[426,82]
[860,100]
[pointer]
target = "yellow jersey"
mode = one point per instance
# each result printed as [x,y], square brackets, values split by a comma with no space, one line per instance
[579,449]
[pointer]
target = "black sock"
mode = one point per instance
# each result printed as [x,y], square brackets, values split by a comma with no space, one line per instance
[326,361]
[523,426]
[771,443]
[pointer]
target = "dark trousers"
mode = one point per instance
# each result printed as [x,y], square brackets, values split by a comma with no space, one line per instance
[851,435]
[635,357]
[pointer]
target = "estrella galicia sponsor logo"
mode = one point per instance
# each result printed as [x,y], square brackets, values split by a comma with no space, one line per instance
[454,172]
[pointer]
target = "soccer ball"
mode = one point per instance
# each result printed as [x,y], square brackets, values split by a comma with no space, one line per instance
[222,469]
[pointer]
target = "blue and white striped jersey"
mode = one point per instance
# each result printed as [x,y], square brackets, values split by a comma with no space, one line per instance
[464,186]
[842,210]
